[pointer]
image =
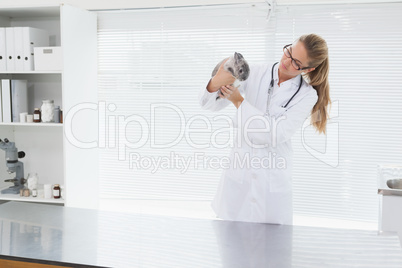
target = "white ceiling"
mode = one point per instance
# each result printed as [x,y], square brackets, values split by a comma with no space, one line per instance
[125,4]
[306,2]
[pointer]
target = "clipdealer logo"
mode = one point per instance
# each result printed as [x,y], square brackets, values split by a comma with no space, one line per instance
[199,160]
[330,154]
[114,127]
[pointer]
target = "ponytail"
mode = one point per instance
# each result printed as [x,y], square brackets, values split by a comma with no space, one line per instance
[318,54]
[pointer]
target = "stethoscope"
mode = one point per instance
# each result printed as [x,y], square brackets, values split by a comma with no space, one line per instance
[271,85]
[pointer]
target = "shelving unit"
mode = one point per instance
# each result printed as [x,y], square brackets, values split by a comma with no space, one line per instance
[32,72]
[49,152]
[16,124]
[38,199]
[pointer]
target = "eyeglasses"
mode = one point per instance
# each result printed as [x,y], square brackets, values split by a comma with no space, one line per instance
[296,63]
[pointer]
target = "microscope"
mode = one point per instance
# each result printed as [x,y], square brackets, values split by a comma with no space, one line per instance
[14,166]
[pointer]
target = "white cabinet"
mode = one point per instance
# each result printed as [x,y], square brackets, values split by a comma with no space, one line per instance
[391,214]
[56,157]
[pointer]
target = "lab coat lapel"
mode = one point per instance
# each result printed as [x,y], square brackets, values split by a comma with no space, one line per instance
[261,93]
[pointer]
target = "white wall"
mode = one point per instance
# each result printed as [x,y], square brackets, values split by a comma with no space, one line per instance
[123,4]
[116,4]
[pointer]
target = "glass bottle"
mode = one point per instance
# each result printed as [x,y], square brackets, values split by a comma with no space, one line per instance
[47,111]
[26,192]
[32,181]
[56,191]
[34,193]
[56,118]
[37,115]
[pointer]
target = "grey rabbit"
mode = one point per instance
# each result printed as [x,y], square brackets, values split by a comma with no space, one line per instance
[237,66]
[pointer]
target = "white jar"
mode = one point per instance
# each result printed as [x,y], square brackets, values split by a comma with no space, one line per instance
[47,111]
[32,181]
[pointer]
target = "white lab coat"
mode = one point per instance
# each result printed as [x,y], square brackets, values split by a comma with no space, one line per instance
[261,191]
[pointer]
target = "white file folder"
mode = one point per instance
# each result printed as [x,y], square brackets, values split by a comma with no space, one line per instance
[18,49]
[3,56]
[19,98]
[10,49]
[6,100]
[33,38]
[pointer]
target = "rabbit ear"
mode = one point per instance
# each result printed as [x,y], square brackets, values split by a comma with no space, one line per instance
[238,56]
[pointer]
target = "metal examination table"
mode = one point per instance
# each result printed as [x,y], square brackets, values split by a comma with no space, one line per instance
[98,238]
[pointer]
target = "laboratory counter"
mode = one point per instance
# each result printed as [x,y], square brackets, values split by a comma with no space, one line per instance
[70,236]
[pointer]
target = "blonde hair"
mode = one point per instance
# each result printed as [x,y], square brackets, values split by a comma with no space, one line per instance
[317,52]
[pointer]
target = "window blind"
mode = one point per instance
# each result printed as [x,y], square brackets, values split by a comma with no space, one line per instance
[152,63]
[340,181]
[161,58]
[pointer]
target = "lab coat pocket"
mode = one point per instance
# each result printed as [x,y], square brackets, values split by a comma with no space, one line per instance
[280,181]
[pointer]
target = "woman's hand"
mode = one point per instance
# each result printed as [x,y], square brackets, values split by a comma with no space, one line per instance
[231,93]
[222,77]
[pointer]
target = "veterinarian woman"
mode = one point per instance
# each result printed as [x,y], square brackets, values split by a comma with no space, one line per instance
[257,187]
